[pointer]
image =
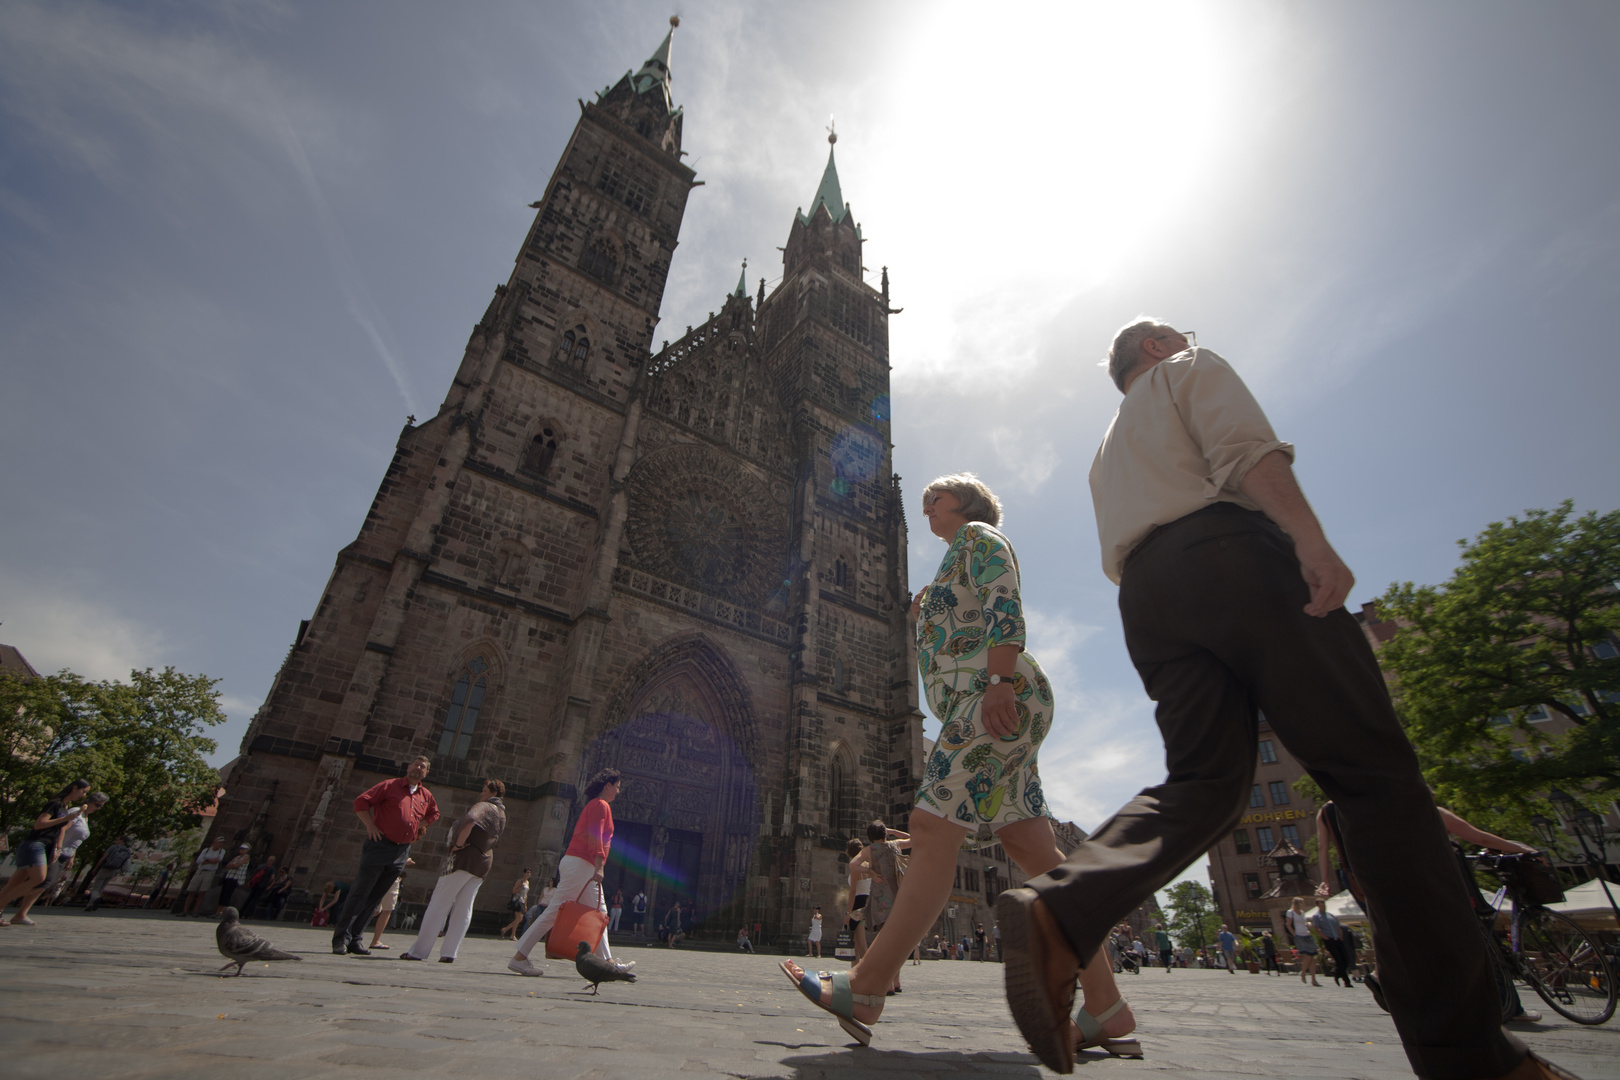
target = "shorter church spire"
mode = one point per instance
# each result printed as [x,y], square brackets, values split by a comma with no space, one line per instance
[742,283]
[829,193]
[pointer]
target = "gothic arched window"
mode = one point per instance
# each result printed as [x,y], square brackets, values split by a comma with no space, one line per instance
[599,262]
[840,797]
[541,452]
[465,701]
[575,347]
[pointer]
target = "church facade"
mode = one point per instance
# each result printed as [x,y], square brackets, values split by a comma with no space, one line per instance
[687,562]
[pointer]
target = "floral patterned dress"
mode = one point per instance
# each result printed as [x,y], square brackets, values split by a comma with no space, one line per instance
[972,606]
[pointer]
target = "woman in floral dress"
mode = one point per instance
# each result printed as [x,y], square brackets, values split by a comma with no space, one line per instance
[995,707]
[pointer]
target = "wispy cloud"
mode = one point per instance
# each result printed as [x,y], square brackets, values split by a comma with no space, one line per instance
[56,626]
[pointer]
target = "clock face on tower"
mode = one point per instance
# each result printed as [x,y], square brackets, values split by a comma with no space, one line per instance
[698,518]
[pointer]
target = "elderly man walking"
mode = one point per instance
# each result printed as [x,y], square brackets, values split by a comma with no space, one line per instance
[1232,601]
[395,813]
[1228,942]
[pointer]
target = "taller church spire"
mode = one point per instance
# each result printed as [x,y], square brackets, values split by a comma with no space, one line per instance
[642,99]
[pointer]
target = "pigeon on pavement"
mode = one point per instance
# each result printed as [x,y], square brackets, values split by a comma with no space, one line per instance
[597,970]
[241,945]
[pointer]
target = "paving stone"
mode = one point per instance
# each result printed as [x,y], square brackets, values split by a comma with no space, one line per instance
[140,996]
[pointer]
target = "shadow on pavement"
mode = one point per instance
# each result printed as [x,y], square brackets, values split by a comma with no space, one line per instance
[847,1064]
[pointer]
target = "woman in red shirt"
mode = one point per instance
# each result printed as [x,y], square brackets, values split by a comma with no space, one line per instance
[579,874]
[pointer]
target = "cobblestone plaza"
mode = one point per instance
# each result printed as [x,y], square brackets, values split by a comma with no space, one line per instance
[132,995]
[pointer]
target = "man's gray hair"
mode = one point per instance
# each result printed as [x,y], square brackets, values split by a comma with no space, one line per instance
[979,503]
[1127,348]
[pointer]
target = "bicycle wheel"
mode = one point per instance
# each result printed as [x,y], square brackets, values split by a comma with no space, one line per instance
[1501,965]
[1564,966]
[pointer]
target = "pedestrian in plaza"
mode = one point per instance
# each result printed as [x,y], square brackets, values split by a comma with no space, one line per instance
[996,931]
[743,944]
[280,890]
[517,903]
[472,843]
[1299,928]
[673,931]
[638,913]
[108,867]
[1228,944]
[996,707]
[1332,934]
[978,939]
[385,908]
[579,873]
[615,910]
[395,814]
[547,895]
[322,915]
[234,874]
[73,835]
[39,847]
[1232,600]
[860,892]
[1268,954]
[1161,941]
[815,934]
[204,870]
[258,884]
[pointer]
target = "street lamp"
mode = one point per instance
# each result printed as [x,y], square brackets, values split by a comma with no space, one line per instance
[1587,826]
[1547,829]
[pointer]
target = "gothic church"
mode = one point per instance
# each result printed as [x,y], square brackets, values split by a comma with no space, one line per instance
[689,563]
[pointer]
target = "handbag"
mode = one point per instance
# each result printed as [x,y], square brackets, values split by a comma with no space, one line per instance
[575,923]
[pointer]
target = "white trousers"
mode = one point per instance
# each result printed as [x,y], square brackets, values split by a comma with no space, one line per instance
[452,900]
[573,875]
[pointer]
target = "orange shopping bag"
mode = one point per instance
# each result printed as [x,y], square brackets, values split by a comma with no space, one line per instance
[575,923]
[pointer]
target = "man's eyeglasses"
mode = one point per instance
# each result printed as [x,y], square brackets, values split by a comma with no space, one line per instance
[1190,335]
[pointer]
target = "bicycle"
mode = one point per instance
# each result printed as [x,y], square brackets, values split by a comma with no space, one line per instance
[1544,949]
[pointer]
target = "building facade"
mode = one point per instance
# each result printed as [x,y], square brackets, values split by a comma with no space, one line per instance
[688,563]
[1249,891]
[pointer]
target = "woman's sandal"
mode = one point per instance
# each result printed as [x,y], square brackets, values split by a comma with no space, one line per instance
[1091,1036]
[843,999]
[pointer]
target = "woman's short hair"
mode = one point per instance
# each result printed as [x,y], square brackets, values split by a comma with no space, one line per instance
[496,786]
[1127,347]
[853,848]
[979,503]
[600,781]
[100,798]
[877,832]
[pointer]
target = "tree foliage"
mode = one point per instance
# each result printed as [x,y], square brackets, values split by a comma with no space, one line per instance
[1527,623]
[142,742]
[1193,921]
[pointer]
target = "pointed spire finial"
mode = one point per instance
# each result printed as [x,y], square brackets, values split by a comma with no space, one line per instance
[742,282]
[832,130]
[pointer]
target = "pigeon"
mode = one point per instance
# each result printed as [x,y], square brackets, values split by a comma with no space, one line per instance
[597,970]
[242,945]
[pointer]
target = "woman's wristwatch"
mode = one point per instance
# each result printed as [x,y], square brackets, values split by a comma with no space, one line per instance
[997,680]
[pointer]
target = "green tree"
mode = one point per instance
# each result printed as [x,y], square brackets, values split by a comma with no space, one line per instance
[1193,920]
[142,742]
[1527,623]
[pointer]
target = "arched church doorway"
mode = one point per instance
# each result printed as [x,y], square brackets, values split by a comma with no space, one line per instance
[687,815]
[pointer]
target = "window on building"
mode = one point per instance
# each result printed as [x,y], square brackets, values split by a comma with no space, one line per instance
[541,453]
[1263,835]
[1535,713]
[1268,752]
[1279,793]
[599,263]
[1256,796]
[465,702]
[1240,837]
[1290,833]
[838,675]
[575,347]
[970,879]
[992,885]
[1251,885]
[841,573]
[958,884]
[627,182]
[840,811]
[1605,650]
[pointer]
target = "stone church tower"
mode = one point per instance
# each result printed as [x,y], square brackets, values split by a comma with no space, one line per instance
[687,563]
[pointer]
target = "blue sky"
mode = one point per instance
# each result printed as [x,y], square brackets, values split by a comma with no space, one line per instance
[239,242]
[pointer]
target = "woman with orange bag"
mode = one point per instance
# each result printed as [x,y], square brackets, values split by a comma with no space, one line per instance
[579,874]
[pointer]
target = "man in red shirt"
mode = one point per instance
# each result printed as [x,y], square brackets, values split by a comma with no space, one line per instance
[395,813]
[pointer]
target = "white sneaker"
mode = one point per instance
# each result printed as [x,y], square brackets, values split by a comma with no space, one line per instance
[523,967]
